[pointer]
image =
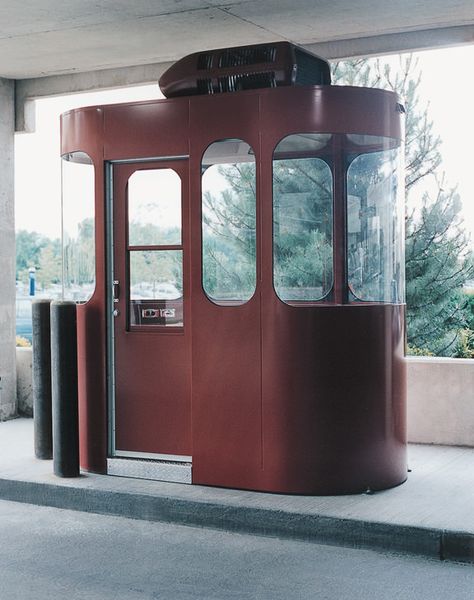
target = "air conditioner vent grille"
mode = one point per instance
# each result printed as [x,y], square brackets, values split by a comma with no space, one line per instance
[246,81]
[238,57]
[204,61]
[204,86]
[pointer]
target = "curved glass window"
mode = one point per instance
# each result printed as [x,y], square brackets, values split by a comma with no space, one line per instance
[375,224]
[229,222]
[78,226]
[302,218]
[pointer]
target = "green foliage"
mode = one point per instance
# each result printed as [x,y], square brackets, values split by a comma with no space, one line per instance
[465,344]
[469,310]
[436,271]
[49,265]
[414,351]
[79,255]
[40,252]
[150,268]
[28,248]
[302,213]
[229,221]
[144,234]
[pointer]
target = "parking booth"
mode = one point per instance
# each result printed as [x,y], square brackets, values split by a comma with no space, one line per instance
[237,256]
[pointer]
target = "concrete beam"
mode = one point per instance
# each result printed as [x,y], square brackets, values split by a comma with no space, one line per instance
[394,43]
[8,404]
[28,90]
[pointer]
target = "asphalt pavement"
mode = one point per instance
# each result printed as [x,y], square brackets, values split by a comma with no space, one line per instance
[56,554]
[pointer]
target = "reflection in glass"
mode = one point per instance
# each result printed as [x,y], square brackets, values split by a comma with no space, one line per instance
[154,208]
[375,223]
[302,220]
[303,142]
[156,287]
[228,222]
[78,228]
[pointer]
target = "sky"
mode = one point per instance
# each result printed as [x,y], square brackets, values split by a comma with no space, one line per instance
[447,84]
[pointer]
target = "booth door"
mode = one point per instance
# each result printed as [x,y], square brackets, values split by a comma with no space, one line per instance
[151,310]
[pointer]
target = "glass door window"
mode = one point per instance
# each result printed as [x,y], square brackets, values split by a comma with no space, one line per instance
[155,249]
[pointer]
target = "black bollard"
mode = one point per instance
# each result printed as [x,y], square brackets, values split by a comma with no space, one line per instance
[40,311]
[64,389]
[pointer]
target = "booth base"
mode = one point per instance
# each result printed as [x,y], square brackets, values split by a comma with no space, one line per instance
[430,515]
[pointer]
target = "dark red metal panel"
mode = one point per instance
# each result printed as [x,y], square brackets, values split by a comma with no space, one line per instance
[330,109]
[82,130]
[227,435]
[333,421]
[147,129]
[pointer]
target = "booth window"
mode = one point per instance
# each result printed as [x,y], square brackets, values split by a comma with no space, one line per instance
[303,218]
[375,221]
[78,226]
[154,247]
[229,222]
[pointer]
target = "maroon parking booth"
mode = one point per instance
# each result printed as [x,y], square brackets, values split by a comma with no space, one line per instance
[238,260]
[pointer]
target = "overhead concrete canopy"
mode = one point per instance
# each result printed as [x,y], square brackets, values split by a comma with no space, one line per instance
[53,37]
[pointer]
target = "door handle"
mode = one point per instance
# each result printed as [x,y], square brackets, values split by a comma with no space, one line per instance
[116,290]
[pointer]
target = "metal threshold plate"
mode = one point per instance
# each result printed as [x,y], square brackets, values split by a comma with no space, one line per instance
[159,470]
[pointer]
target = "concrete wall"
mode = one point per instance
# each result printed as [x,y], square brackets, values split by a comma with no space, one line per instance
[24,383]
[441,401]
[7,253]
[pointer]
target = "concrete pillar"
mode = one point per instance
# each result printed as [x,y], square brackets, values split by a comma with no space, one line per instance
[8,404]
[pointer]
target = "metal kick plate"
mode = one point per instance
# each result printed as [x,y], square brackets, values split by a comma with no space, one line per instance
[176,472]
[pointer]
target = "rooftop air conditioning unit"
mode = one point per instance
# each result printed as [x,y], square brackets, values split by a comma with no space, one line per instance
[244,68]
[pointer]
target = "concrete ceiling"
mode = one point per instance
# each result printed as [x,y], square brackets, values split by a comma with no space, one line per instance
[49,37]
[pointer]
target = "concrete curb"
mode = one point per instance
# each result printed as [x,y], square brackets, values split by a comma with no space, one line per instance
[427,542]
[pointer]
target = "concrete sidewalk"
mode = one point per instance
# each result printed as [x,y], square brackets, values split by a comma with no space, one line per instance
[431,514]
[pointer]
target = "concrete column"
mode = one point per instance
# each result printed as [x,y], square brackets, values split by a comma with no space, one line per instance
[8,405]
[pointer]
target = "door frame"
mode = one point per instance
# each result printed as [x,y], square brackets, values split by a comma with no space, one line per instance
[112,452]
